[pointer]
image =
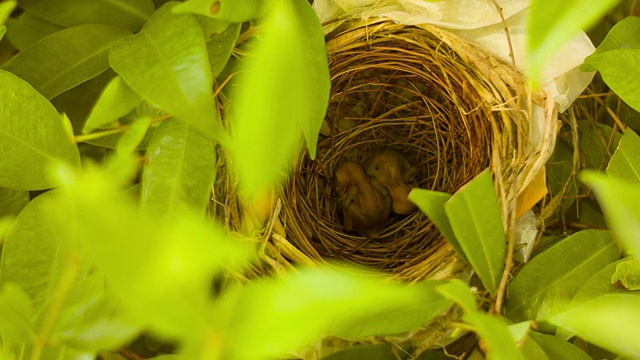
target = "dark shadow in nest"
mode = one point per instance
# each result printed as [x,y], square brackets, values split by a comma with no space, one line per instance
[397,93]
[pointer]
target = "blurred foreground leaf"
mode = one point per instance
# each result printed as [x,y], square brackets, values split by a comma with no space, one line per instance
[268,318]
[268,112]
[476,221]
[609,321]
[553,23]
[620,201]
[33,137]
[546,284]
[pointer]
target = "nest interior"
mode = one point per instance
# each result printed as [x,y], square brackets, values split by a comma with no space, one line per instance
[401,87]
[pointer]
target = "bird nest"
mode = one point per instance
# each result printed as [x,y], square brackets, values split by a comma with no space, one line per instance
[450,107]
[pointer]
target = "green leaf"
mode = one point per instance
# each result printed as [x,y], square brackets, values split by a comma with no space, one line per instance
[398,321]
[553,23]
[116,101]
[220,48]
[6,8]
[270,317]
[16,311]
[623,35]
[558,349]
[164,280]
[459,292]
[268,113]
[609,321]
[66,58]
[12,202]
[432,204]
[625,163]
[531,350]
[546,284]
[33,137]
[126,14]
[597,142]
[3,30]
[597,285]
[628,274]
[167,64]
[39,249]
[92,320]
[133,136]
[618,69]
[27,29]
[234,11]
[476,221]
[180,170]
[620,201]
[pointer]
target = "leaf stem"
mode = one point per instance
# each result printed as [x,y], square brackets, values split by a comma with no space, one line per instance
[120,129]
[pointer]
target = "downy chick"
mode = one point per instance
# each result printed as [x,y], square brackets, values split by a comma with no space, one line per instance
[365,203]
[392,169]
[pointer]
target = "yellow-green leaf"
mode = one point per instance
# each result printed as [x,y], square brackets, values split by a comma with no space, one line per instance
[66,58]
[33,137]
[167,63]
[476,220]
[625,162]
[116,101]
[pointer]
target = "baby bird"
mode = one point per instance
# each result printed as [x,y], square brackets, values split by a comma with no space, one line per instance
[365,203]
[394,172]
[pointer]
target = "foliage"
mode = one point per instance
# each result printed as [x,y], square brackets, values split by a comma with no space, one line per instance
[112,117]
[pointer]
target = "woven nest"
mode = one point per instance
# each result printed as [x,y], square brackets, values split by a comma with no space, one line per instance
[452,108]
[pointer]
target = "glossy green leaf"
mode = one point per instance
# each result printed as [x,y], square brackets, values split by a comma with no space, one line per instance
[627,274]
[609,321]
[235,11]
[268,113]
[126,14]
[220,48]
[270,317]
[432,204]
[33,137]
[16,311]
[597,285]
[398,321]
[12,202]
[116,101]
[620,201]
[164,280]
[548,282]
[6,8]
[558,349]
[623,35]
[27,29]
[179,171]
[167,64]
[39,249]
[66,58]
[598,142]
[476,220]
[553,23]
[625,163]
[618,69]
[133,136]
